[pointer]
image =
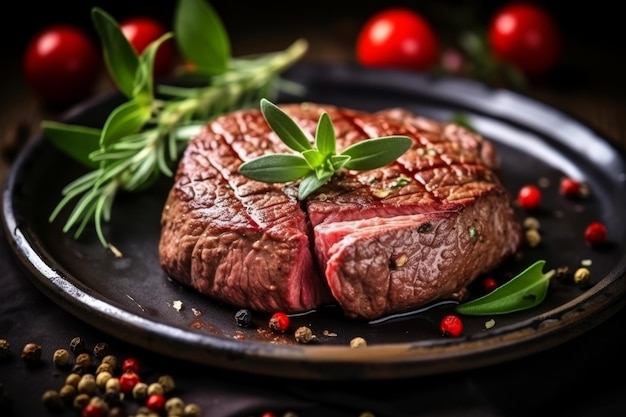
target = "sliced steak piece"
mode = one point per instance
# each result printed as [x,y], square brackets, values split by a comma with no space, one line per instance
[375,242]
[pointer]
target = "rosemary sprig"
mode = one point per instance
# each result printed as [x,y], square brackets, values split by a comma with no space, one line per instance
[317,164]
[143,137]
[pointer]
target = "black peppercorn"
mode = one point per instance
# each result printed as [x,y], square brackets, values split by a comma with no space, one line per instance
[101,350]
[243,318]
[77,346]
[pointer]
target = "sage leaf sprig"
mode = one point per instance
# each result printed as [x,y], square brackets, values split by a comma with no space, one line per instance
[526,290]
[143,137]
[317,160]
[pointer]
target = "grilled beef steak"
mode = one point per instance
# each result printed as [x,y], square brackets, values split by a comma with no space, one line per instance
[374,242]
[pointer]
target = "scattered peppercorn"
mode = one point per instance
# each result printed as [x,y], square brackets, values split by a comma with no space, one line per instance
[4,348]
[571,188]
[52,400]
[529,197]
[243,318]
[140,391]
[61,357]
[31,352]
[595,233]
[279,322]
[67,393]
[87,384]
[174,406]
[101,350]
[155,402]
[131,364]
[531,223]
[304,334]
[451,325]
[489,284]
[582,276]
[77,346]
[128,380]
[192,410]
[83,360]
[532,237]
[167,383]
[358,342]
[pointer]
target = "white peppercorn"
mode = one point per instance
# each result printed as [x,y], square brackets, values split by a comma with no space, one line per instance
[192,410]
[582,276]
[140,391]
[61,357]
[102,378]
[113,384]
[155,388]
[304,335]
[358,342]
[87,384]
[72,379]
[167,382]
[104,367]
[110,360]
[533,238]
[174,406]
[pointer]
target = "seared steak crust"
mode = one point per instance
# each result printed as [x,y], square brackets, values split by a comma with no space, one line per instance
[374,242]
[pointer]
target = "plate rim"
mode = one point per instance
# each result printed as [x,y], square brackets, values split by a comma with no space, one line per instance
[386,361]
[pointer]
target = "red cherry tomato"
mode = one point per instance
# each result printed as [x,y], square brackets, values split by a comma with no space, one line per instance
[140,32]
[397,38]
[61,64]
[525,35]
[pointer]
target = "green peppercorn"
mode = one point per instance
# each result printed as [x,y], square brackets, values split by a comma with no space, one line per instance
[81,400]
[52,400]
[72,379]
[68,392]
[31,352]
[61,357]
[4,348]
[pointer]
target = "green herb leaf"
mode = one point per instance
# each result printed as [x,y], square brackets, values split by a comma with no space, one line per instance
[125,119]
[76,141]
[201,37]
[377,152]
[120,57]
[275,168]
[143,138]
[325,139]
[526,290]
[285,127]
[322,159]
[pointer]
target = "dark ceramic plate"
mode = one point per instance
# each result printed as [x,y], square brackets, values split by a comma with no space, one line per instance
[131,298]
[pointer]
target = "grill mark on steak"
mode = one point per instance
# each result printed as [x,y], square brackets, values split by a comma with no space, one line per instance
[360,241]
